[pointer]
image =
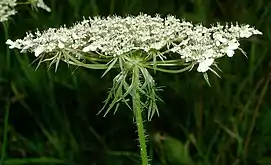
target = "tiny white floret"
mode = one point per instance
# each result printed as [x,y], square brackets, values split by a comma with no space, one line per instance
[12,44]
[39,50]
[204,65]
[89,48]
[245,32]
[61,45]
[232,46]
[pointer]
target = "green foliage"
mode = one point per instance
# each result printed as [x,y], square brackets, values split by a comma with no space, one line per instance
[52,116]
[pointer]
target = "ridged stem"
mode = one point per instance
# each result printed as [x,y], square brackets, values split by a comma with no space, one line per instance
[138,115]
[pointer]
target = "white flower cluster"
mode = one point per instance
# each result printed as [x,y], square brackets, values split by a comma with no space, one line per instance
[7,9]
[114,36]
[40,4]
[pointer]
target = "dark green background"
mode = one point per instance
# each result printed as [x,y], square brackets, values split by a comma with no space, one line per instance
[52,116]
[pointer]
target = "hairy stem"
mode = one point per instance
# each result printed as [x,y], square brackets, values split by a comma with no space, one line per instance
[138,115]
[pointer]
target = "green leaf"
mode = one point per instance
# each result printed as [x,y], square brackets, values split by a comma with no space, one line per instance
[176,151]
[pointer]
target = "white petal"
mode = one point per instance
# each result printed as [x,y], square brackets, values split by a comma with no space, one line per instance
[209,61]
[12,44]
[245,33]
[158,45]
[230,53]
[42,5]
[233,45]
[257,32]
[208,54]
[61,45]
[217,43]
[39,50]
[220,38]
[89,48]
[9,42]
[205,65]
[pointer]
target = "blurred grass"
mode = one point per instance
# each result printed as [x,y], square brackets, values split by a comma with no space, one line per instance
[53,119]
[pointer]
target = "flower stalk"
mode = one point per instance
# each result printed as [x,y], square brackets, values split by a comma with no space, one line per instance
[138,116]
